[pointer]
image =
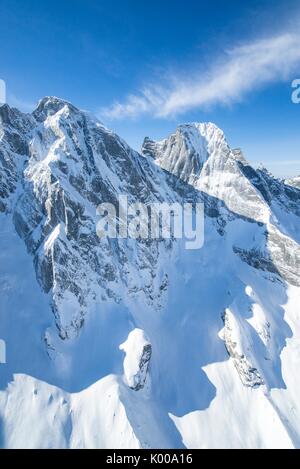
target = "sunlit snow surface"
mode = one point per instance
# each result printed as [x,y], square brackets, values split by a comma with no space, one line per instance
[193,383]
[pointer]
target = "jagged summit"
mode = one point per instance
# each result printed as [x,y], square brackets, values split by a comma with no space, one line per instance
[185,152]
[12,116]
[294,181]
[50,105]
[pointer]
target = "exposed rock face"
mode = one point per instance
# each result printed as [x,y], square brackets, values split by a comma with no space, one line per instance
[138,355]
[199,155]
[240,351]
[73,165]
[185,152]
[227,178]
[15,129]
[274,191]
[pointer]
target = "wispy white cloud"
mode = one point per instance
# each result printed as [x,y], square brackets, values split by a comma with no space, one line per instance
[21,104]
[242,69]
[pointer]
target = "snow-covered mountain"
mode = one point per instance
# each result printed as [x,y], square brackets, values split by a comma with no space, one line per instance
[294,181]
[122,343]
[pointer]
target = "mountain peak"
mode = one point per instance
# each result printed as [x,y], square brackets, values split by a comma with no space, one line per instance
[185,152]
[50,105]
[200,126]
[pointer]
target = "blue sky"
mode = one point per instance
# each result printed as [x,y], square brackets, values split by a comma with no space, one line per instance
[143,67]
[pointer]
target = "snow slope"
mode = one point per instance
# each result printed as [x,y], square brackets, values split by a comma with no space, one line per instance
[131,344]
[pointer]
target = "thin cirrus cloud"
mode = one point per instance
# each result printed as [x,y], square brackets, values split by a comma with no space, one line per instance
[242,70]
[23,105]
